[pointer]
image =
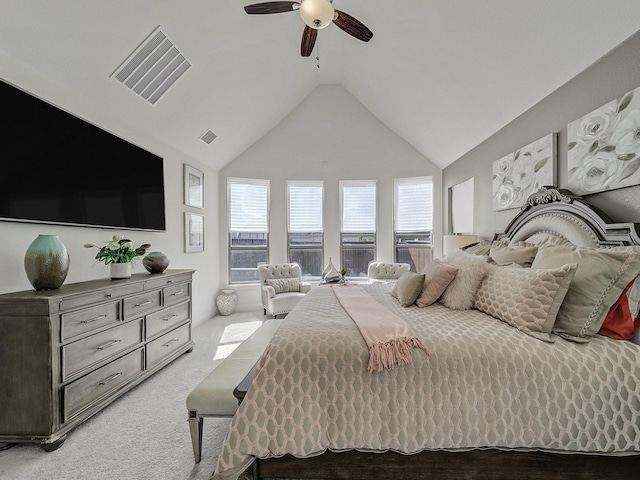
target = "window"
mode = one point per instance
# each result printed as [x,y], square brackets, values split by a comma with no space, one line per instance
[248,202]
[304,224]
[413,198]
[358,231]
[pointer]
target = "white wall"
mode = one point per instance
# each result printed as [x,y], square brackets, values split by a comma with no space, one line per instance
[16,237]
[329,136]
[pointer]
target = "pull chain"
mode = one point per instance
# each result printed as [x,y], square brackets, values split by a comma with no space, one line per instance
[318,51]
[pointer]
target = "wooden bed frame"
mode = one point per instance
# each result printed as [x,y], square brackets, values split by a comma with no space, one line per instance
[549,211]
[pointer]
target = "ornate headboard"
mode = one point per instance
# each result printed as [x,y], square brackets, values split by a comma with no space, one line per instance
[558,212]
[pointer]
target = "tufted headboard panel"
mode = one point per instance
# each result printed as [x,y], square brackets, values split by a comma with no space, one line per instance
[558,212]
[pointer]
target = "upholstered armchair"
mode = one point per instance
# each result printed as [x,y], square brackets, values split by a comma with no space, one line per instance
[382,272]
[281,287]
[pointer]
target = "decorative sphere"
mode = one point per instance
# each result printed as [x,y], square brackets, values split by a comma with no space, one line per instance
[155,262]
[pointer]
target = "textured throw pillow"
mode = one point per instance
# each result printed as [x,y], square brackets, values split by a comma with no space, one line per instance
[602,275]
[471,270]
[525,298]
[284,285]
[437,277]
[520,255]
[408,287]
[623,320]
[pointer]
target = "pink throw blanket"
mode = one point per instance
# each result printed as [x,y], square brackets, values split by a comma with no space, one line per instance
[390,340]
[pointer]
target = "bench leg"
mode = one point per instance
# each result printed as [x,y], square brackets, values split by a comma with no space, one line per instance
[195,426]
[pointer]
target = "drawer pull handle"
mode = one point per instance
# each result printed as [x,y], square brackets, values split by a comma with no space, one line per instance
[143,303]
[110,379]
[110,344]
[99,317]
[177,293]
[170,317]
[170,342]
[108,295]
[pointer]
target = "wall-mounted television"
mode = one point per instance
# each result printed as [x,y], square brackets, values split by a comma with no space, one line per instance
[57,168]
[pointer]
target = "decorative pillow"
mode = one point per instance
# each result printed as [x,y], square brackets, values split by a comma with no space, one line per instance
[483,247]
[520,255]
[525,298]
[408,287]
[437,277]
[623,320]
[284,285]
[602,275]
[471,270]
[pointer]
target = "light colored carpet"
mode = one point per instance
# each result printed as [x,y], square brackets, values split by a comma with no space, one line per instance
[145,433]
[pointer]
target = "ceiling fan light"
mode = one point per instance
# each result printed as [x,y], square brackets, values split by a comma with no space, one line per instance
[316,13]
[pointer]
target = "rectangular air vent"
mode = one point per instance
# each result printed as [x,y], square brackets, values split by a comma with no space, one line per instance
[153,67]
[208,137]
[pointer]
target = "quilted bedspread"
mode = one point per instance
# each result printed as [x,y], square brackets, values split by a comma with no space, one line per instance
[485,385]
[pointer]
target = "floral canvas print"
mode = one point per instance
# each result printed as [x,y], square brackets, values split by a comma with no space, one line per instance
[604,147]
[523,172]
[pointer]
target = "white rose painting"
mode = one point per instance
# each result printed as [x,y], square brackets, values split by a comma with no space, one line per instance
[604,147]
[523,172]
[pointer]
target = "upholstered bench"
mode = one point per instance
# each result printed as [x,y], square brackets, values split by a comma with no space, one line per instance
[380,271]
[213,397]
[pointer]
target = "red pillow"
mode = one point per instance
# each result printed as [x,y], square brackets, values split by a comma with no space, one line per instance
[619,323]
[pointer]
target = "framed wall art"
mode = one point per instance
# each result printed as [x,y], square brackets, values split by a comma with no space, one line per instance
[523,172]
[193,232]
[604,147]
[193,187]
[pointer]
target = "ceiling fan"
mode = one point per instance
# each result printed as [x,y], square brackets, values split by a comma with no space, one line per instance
[316,14]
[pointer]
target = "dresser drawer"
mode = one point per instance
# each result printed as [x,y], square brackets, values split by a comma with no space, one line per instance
[83,392]
[166,319]
[86,352]
[176,293]
[167,344]
[138,305]
[159,280]
[77,301]
[88,319]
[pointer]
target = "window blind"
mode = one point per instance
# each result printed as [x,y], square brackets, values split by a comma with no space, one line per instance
[249,206]
[358,207]
[305,207]
[414,205]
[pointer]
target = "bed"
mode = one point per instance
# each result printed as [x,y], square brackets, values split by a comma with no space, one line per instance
[491,401]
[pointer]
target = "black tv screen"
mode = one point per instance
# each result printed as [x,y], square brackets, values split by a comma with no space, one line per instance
[58,168]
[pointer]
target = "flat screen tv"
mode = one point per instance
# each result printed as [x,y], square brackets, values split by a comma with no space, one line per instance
[58,168]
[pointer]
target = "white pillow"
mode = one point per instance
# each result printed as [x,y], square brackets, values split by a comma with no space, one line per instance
[472,269]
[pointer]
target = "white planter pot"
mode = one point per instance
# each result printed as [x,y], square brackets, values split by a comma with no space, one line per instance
[120,270]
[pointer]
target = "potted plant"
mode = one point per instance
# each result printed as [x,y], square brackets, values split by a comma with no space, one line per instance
[343,273]
[119,252]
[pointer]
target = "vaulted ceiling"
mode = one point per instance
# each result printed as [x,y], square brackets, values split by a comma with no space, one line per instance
[442,74]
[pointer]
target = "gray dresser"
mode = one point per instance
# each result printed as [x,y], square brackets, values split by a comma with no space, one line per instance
[65,354]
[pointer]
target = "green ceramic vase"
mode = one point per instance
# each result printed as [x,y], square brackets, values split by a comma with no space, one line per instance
[46,262]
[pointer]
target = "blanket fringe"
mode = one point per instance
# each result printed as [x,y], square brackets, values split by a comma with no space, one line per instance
[393,353]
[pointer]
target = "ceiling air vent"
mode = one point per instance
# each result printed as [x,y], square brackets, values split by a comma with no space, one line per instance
[208,137]
[153,67]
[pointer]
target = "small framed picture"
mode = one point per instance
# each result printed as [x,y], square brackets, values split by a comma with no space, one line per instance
[193,187]
[193,232]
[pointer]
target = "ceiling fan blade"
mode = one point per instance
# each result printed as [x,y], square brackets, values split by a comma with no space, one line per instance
[308,40]
[353,27]
[270,7]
